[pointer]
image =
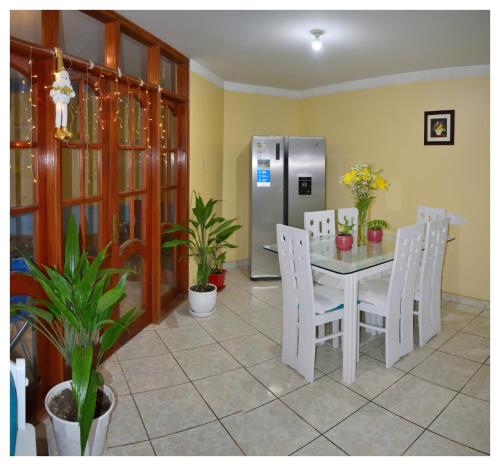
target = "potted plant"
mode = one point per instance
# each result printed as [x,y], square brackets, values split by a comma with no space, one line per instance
[376,230]
[205,234]
[76,319]
[343,240]
[218,275]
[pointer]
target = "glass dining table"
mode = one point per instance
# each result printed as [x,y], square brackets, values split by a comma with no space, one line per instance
[350,266]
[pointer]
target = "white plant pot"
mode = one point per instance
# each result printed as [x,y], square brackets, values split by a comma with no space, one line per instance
[67,433]
[202,304]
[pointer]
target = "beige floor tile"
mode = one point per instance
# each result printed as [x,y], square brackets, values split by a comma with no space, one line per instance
[466,420]
[208,440]
[479,385]
[446,370]
[225,329]
[370,342]
[247,303]
[408,362]
[372,377]
[415,399]
[274,334]
[487,361]
[469,308]
[441,338]
[278,377]
[114,378]
[320,447]
[264,319]
[205,361]
[185,337]
[430,444]
[252,349]
[374,431]
[221,312]
[479,326]
[328,358]
[179,316]
[144,344]
[152,373]
[377,352]
[172,409]
[233,391]
[126,425]
[272,429]
[456,319]
[271,295]
[485,313]
[468,346]
[323,403]
[134,449]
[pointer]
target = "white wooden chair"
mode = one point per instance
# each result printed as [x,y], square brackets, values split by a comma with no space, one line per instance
[393,299]
[26,439]
[305,306]
[427,214]
[428,290]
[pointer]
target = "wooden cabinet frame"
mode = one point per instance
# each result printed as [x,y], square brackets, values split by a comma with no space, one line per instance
[49,203]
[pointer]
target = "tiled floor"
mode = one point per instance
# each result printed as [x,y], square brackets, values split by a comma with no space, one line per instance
[217,386]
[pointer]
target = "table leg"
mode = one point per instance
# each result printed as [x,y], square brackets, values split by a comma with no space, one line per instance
[350,334]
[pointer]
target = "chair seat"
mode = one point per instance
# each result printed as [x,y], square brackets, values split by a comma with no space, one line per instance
[327,299]
[374,293]
[329,280]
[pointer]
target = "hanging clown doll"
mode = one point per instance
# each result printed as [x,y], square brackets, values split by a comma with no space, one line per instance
[61,93]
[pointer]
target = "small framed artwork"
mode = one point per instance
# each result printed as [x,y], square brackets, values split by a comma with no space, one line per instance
[439,127]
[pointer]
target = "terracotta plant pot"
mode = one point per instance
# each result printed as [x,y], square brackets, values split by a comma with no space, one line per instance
[375,236]
[218,279]
[343,242]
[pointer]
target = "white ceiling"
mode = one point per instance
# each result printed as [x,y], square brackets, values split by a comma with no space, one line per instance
[273,48]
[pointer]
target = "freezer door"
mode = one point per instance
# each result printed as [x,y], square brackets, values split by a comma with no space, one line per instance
[267,203]
[306,177]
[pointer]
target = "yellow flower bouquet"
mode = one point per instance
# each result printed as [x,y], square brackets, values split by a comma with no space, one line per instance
[363,179]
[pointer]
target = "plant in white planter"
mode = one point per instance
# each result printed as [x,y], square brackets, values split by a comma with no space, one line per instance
[205,233]
[76,319]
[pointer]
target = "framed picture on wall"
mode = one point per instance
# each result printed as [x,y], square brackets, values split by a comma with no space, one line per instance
[439,127]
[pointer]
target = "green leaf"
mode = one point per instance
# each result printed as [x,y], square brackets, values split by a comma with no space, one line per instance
[71,248]
[109,299]
[36,311]
[174,243]
[113,332]
[88,411]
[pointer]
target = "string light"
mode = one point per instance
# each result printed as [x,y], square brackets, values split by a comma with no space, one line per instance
[30,120]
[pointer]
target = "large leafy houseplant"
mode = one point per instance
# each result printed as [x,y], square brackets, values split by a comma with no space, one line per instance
[206,239]
[76,318]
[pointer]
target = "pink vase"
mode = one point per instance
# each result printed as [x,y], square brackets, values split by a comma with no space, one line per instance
[375,236]
[343,242]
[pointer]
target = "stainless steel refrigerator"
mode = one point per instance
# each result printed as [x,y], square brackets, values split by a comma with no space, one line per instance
[288,179]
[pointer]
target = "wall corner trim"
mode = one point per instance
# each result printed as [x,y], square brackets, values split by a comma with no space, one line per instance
[456,72]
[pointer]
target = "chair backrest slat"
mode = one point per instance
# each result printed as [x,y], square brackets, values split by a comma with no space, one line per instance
[430,278]
[320,223]
[401,291]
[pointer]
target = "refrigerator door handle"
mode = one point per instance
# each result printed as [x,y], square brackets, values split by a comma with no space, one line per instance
[278,151]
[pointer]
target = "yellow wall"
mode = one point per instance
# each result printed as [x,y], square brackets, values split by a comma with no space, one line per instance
[246,115]
[385,126]
[381,125]
[206,112]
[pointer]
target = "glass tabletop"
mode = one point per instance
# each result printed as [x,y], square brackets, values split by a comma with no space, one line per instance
[325,255]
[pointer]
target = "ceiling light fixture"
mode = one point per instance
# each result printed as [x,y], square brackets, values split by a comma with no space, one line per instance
[316,43]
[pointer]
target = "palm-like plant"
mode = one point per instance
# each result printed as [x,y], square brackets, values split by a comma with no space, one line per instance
[76,318]
[206,239]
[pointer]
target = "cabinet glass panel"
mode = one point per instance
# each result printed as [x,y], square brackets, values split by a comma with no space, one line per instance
[124,120]
[74,112]
[163,169]
[124,219]
[172,169]
[92,172]
[167,74]
[167,280]
[134,286]
[22,238]
[170,205]
[22,177]
[26,25]
[138,123]
[172,128]
[82,35]
[133,57]
[92,229]
[139,167]
[92,114]
[20,107]
[124,169]
[70,181]
[139,211]
[163,127]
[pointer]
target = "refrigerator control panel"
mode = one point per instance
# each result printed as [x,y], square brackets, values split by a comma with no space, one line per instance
[305,183]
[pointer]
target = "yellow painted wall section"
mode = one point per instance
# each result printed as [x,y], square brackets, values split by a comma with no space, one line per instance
[206,114]
[246,115]
[386,126]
